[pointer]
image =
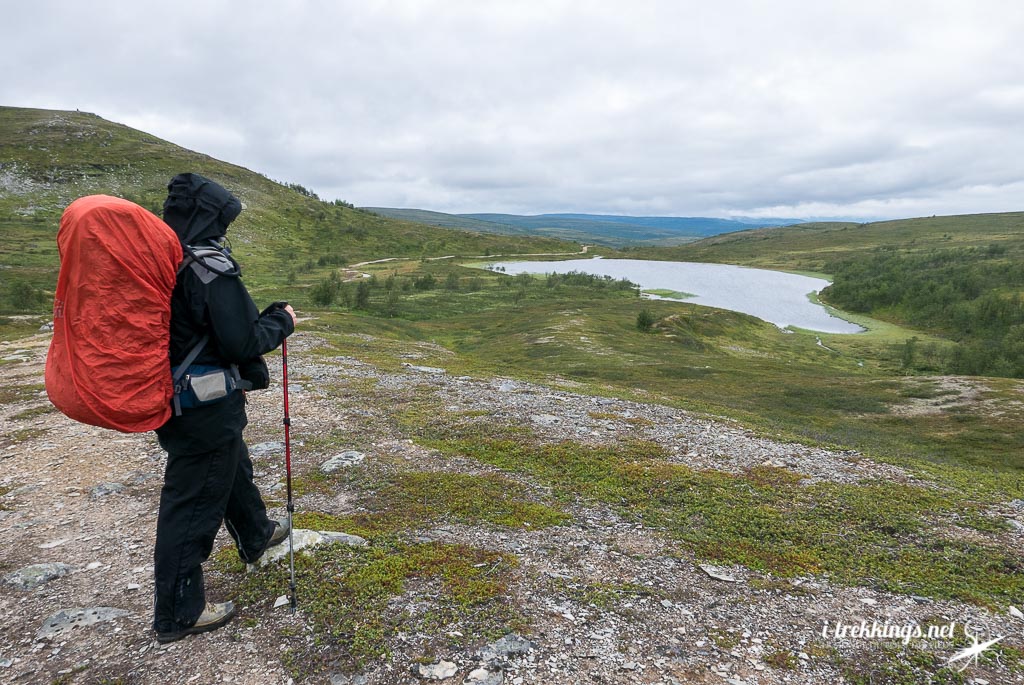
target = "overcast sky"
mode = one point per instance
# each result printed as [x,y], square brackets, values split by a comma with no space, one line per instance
[690,108]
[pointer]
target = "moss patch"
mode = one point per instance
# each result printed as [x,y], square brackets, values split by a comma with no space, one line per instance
[877,534]
[353,597]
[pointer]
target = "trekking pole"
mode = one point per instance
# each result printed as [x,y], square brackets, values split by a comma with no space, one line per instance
[288,470]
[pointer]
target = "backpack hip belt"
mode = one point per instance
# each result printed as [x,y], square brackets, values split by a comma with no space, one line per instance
[198,385]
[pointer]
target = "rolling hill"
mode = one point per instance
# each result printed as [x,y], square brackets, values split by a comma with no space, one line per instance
[49,158]
[602,229]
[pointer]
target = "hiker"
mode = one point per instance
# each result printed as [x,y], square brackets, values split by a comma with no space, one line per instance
[209,476]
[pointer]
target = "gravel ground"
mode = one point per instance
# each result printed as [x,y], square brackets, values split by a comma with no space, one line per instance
[87,498]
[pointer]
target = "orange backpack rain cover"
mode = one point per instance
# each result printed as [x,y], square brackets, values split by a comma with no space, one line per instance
[108,363]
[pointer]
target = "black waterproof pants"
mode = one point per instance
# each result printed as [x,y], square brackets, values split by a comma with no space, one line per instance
[208,480]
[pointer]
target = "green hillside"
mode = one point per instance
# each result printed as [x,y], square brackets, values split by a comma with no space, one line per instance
[49,158]
[959,277]
[465,223]
[813,246]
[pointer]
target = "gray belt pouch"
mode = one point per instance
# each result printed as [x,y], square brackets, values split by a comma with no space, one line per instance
[203,385]
[212,386]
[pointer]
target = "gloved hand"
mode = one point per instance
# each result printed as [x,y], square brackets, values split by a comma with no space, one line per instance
[274,306]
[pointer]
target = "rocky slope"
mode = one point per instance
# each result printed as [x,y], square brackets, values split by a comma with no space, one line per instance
[83,501]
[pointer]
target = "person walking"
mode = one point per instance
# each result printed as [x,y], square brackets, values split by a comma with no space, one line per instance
[209,475]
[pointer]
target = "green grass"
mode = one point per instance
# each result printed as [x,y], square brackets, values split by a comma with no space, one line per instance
[765,519]
[346,594]
[412,500]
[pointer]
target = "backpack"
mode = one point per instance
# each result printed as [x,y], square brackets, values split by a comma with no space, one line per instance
[107,365]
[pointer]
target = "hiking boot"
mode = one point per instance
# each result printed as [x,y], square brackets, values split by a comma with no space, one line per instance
[279,535]
[212,618]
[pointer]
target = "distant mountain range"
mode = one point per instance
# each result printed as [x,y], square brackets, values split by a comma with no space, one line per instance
[605,229]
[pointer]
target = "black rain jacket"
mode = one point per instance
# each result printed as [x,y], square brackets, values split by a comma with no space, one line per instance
[209,297]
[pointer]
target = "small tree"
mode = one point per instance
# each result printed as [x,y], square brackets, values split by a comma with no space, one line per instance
[362,300]
[391,302]
[326,291]
[645,321]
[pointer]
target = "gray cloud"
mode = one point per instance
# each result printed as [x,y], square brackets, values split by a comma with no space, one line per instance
[647,107]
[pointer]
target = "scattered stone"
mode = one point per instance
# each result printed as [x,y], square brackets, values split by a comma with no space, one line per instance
[33,576]
[717,573]
[140,477]
[266,449]
[1016,525]
[54,543]
[133,586]
[483,676]
[439,671]
[305,539]
[104,489]
[1016,613]
[508,646]
[546,419]
[342,679]
[507,386]
[339,461]
[425,369]
[6,663]
[46,327]
[69,619]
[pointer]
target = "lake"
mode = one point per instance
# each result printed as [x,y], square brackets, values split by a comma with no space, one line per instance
[774,296]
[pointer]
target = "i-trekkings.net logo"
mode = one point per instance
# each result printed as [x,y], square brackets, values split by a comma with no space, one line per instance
[913,631]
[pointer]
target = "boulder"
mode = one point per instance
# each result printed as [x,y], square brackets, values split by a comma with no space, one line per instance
[30,577]
[306,539]
[343,460]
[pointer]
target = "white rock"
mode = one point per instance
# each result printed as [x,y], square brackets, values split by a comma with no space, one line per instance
[343,460]
[717,573]
[439,671]
[425,369]
[1016,613]
[305,539]
[482,676]
[281,601]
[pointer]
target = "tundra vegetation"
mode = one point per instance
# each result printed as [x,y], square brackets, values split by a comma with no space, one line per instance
[939,296]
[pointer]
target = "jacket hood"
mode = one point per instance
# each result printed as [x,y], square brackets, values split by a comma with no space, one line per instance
[199,209]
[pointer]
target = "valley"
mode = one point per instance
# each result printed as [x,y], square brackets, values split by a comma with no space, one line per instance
[697,499]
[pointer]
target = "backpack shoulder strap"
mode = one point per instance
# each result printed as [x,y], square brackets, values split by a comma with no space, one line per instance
[208,263]
[183,368]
